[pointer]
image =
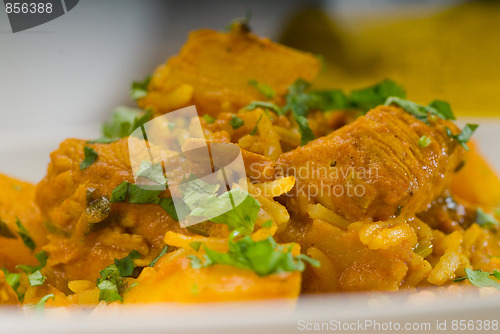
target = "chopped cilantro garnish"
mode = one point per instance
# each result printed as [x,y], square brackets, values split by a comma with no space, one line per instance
[419,112]
[437,108]
[297,100]
[132,193]
[306,134]
[464,136]
[264,105]
[299,103]
[241,24]
[5,231]
[153,172]
[264,257]
[267,224]
[201,197]
[195,262]
[197,230]
[329,100]
[424,141]
[123,122]
[486,220]
[139,89]
[126,265]
[481,279]
[236,122]
[111,281]
[195,245]
[256,127]
[14,280]
[209,119]
[370,97]
[40,306]
[163,252]
[90,157]
[442,109]
[35,276]
[25,236]
[263,88]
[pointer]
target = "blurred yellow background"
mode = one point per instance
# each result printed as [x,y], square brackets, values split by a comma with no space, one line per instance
[453,55]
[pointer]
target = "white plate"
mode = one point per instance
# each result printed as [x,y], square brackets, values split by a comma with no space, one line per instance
[26,154]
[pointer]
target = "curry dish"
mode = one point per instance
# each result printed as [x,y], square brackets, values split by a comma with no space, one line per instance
[344,192]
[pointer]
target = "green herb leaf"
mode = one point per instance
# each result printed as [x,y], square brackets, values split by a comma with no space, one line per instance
[36,278]
[306,134]
[438,108]
[40,306]
[163,252]
[256,127]
[195,262]
[126,265]
[90,157]
[197,230]
[25,236]
[329,100]
[267,224]
[139,89]
[263,88]
[481,279]
[370,97]
[442,109]
[153,172]
[265,105]
[34,274]
[201,198]
[486,220]
[424,141]
[102,140]
[209,119]
[297,100]
[418,111]
[195,245]
[132,193]
[299,103]
[264,257]
[5,231]
[240,24]
[111,280]
[42,257]
[108,291]
[123,122]
[236,122]
[464,136]
[14,280]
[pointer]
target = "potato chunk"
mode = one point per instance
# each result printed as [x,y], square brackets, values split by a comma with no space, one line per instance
[17,203]
[177,281]
[213,69]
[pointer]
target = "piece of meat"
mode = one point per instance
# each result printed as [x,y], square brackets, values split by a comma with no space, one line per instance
[374,168]
[213,68]
[82,242]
